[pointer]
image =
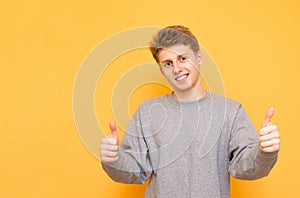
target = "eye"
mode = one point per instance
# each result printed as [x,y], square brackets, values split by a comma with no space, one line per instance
[183,58]
[167,64]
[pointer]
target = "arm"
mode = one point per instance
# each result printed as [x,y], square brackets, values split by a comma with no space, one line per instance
[250,157]
[129,163]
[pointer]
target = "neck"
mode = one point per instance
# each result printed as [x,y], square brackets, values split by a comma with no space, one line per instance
[189,96]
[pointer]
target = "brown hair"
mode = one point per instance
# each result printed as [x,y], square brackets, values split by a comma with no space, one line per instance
[170,36]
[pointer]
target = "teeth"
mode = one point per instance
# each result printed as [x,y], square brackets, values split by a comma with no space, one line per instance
[181,77]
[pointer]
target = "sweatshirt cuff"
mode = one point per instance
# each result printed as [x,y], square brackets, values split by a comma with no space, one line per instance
[268,154]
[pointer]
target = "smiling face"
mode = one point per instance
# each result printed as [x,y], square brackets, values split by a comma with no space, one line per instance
[180,65]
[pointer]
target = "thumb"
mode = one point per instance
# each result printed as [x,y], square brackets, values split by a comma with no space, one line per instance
[268,117]
[114,132]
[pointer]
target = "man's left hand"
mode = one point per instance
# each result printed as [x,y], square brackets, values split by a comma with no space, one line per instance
[269,135]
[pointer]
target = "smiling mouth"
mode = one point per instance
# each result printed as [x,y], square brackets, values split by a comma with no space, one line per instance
[182,77]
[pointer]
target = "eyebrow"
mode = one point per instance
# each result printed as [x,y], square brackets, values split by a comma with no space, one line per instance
[168,60]
[179,55]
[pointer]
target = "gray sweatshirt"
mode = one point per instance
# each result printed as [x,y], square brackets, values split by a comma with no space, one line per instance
[189,149]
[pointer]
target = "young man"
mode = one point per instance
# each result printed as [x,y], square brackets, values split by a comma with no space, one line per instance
[188,142]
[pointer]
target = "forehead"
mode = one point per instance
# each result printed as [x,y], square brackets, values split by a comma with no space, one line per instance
[174,51]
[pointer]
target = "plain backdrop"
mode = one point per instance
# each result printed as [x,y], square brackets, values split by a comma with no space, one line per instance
[255,45]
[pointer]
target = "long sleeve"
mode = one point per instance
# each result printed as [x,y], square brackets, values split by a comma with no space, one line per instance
[247,161]
[133,165]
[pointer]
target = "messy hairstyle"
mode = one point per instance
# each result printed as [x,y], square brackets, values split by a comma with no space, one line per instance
[170,36]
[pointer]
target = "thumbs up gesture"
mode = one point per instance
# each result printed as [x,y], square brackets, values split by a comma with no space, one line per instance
[269,135]
[110,145]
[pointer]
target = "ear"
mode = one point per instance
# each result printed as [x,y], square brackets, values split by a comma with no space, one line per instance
[199,57]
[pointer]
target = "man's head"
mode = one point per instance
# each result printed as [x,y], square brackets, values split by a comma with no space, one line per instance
[171,36]
[176,50]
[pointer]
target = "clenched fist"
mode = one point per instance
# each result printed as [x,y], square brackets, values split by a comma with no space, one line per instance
[110,145]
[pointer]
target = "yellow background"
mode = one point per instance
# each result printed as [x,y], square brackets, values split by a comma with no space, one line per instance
[254,43]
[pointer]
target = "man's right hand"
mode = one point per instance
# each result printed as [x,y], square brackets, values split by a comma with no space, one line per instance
[110,145]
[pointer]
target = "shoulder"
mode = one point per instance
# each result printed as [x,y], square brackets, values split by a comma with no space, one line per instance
[231,106]
[224,100]
[149,103]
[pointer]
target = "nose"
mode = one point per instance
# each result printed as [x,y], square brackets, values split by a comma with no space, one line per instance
[177,67]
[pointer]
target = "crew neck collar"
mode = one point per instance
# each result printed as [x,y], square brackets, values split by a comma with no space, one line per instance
[175,102]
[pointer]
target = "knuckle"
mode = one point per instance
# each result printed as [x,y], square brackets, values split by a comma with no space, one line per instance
[102,153]
[114,159]
[276,134]
[116,148]
[114,154]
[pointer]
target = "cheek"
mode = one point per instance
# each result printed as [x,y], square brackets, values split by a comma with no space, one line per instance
[192,62]
[162,71]
[167,74]
[194,67]
[194,70]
